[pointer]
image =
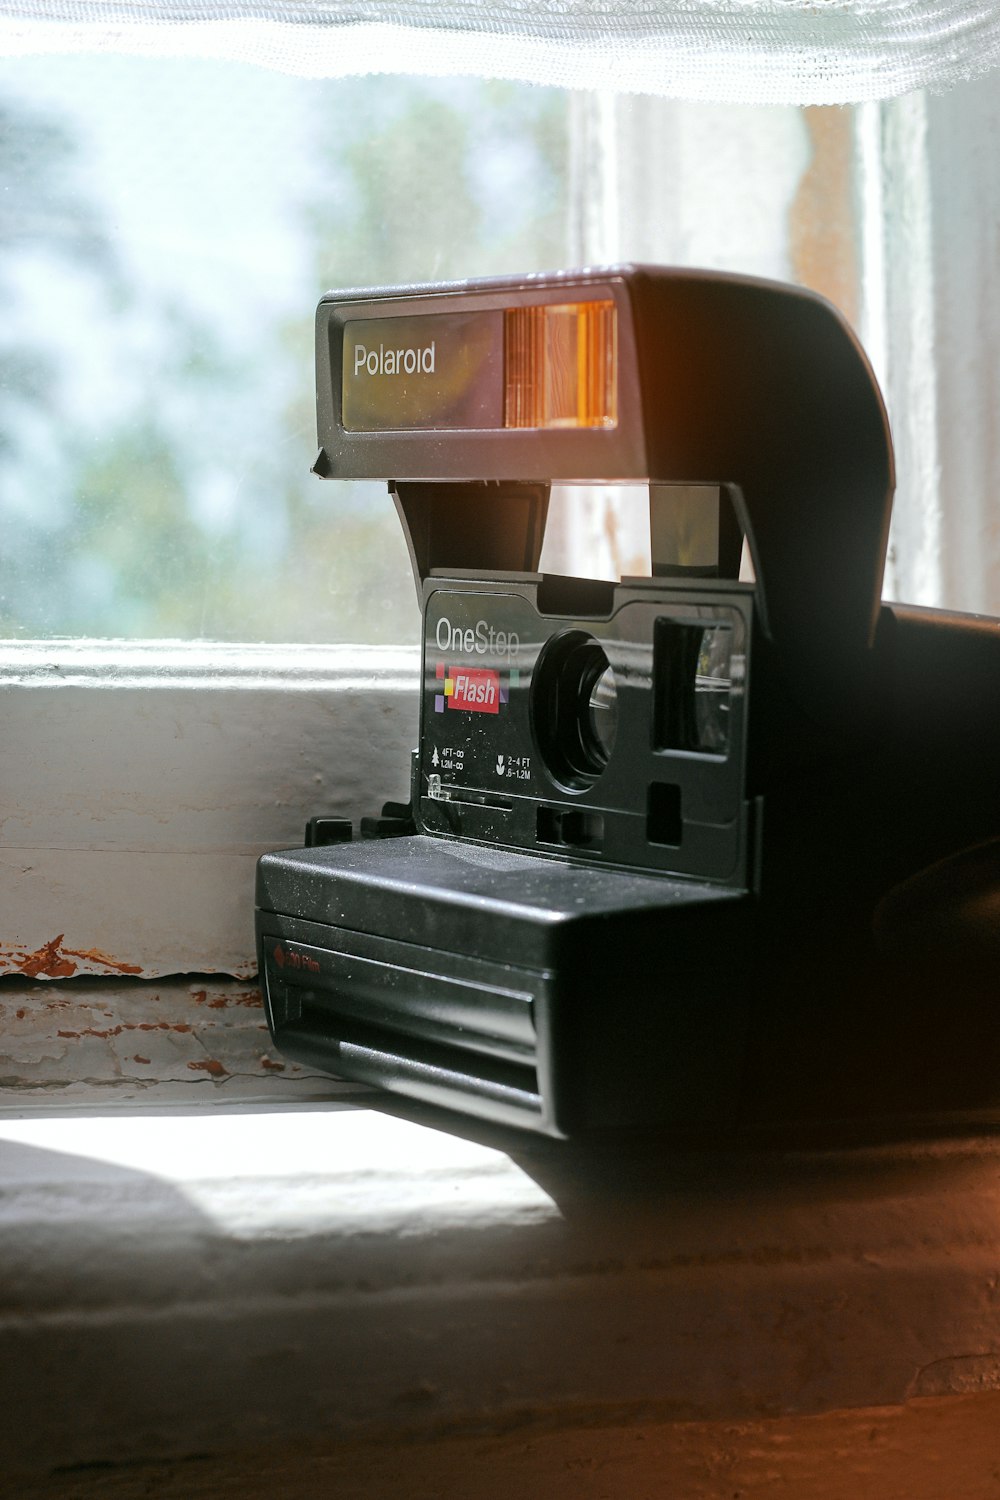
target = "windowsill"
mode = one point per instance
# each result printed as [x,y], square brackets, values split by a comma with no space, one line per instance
[207,1281]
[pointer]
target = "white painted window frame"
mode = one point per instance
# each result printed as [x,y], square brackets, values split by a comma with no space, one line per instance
[938,348]
[144,779]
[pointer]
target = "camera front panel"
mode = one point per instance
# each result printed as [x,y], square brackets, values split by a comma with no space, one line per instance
[618,741]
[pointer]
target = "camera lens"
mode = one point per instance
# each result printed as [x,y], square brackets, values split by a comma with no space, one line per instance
[602,714]
[575,709]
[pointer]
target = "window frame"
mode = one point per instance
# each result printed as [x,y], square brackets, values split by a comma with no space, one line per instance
[145,778]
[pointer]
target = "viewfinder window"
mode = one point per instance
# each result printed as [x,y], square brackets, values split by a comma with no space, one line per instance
[696,668]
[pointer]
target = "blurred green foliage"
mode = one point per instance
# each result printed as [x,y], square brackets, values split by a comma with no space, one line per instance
[191,511]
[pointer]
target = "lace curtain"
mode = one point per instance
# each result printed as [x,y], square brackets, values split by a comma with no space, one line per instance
[737,51]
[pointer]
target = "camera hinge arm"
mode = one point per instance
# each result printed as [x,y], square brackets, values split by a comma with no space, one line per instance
[486,526]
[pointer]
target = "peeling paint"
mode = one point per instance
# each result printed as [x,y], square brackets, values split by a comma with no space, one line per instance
[53,961]
[45,961]
[135,1038]
[249,998]
[108,1031]
[96,956]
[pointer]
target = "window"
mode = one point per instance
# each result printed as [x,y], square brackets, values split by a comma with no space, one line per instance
[157,368]
[156,419]
[172,224]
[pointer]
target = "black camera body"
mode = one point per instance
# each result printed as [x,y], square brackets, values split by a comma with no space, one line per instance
[691,850]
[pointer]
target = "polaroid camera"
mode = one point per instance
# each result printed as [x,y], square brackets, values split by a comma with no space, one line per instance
[699,849]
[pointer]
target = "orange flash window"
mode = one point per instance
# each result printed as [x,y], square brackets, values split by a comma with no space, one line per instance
[561,365]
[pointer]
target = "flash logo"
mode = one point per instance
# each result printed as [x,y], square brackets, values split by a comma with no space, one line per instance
[475,690]
[479,688]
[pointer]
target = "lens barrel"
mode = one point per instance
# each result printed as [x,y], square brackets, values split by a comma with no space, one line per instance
[575,709]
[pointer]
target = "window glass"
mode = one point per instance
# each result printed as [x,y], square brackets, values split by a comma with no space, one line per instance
[767,191]
[166,229]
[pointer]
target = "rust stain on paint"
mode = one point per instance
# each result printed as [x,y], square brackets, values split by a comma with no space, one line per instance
[271,1065]
[105,1032]
[138,1059]
[53,961]
[96,956]
[47,960]
[210,1065]
[249,998]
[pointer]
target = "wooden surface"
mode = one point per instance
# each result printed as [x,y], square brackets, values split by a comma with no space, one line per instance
[379,1300]
[935,1449]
